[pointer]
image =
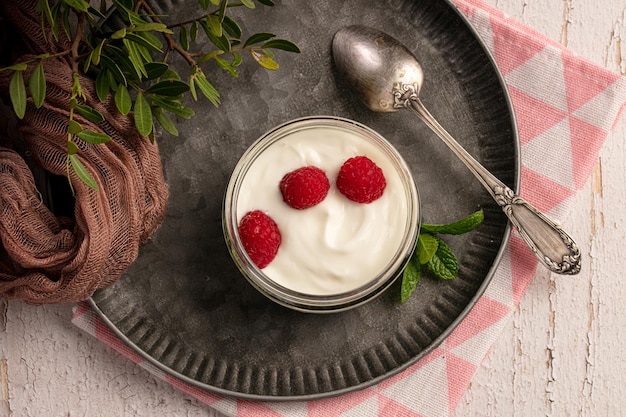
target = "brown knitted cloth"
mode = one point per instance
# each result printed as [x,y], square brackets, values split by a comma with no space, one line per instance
[49,259]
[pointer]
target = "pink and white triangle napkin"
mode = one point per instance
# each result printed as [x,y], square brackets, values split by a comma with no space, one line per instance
[561,102]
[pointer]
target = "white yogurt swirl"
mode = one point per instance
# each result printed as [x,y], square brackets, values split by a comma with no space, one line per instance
[337,245]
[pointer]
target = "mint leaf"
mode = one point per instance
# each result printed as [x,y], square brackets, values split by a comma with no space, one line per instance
[459,227]
[427,245]
[410,278]
[443,264]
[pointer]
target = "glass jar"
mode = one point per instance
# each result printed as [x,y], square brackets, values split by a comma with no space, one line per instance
[338,254]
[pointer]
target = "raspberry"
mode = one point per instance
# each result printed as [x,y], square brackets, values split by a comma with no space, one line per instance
[260,237]
[304,187]
[361,180]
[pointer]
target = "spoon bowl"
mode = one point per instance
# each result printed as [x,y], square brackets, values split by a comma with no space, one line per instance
[387,77]
[372,63]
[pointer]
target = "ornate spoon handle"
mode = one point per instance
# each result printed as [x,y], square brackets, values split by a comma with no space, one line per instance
[549,242]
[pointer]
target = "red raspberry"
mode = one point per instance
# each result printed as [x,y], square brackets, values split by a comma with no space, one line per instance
[304,187]
[361,180]
[260,237]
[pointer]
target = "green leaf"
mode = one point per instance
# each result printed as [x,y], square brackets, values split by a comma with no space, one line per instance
[124,7]
[73,127]
[204,4]
[231,27]
[92,137]
[222,63]
[258,38]
[135,58]
[146,42]
[90,113]
[209,56]
[17,93]
[236,59]
[192,87]
[170,75]
[207,89]
[265,61]
[183,38]
[121,58]
[222,10]
[102,85]
[145,54]
[411,276]
[193,31]
[266,2]
[214,24]
[153,27]
[282,44]
[156,69]
[80,5]
[426,247]
[165,121]
[444,264]
[119,34]
[114,69]
[459,227]
[151,38]
[97,13]
[55,18]
[123,101]
[82,172]
[168,88]
[65,21]
[37,85]
[15,67]
[248,3]
[96,53]
[143,115]
[173,106]
[87,62]
[221,42]
[72,148]
[46,13]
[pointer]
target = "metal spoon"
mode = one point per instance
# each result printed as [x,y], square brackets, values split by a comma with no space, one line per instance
[386,76]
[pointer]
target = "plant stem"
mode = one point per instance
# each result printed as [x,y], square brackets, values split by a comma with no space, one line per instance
[171,42]
[78,36]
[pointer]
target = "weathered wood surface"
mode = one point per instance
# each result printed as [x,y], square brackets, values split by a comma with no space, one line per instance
[562,355]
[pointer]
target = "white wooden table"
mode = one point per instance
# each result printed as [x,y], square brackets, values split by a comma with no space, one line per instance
[563,354]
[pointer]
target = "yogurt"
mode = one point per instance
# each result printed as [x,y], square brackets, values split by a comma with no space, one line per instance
[338,245]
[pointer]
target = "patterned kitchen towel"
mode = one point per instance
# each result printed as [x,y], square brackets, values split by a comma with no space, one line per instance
[561,102]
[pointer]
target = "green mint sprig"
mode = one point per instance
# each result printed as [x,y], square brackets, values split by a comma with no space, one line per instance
[434,255]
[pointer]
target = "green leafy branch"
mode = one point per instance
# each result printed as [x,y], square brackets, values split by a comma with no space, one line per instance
[432,254]
[132,63]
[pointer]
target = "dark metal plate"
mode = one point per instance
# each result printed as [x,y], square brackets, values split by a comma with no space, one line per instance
[185,307]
